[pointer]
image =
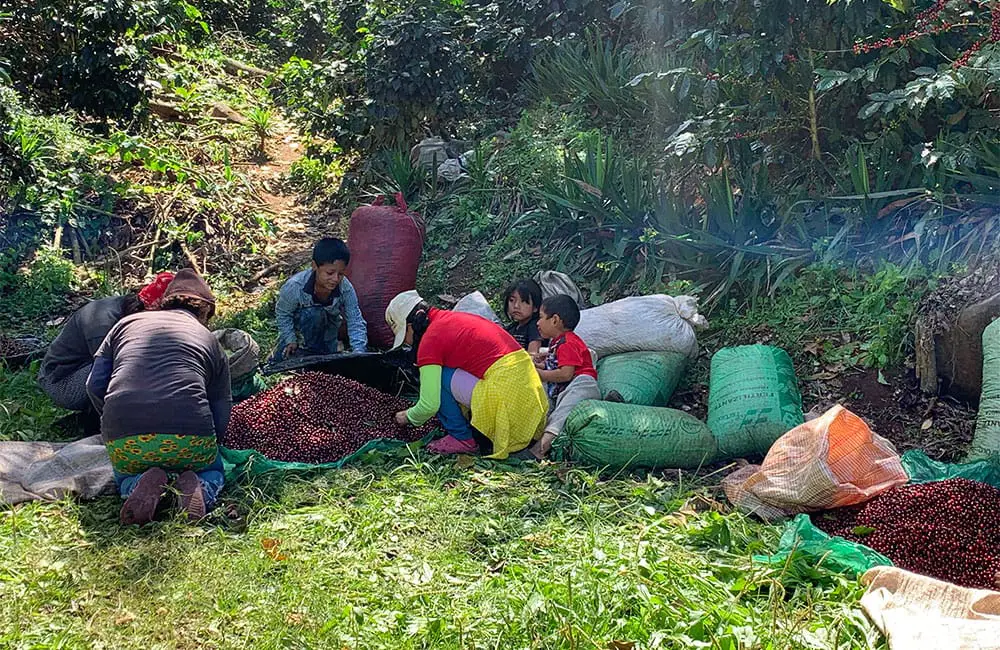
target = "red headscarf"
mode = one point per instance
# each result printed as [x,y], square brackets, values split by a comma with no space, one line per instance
[152,293]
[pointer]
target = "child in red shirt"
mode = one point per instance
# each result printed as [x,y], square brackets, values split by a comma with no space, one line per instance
[567,369]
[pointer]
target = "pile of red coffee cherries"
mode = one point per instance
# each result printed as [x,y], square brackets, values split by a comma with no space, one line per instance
[948,530]
[317,418]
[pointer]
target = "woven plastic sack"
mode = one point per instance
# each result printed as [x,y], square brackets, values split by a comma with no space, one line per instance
[915,611]
[849,557]
[753,399]
[241,350]
[642,324]
[830,462]
[476,303]
[386,243]
[803,541]
[622,436]
[986,441]
[554,283]
[642,378]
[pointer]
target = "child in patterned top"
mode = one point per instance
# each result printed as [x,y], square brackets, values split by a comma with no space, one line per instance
[567,368]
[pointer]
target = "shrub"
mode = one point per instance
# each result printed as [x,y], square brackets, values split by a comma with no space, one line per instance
[48,179]
[92,55]
[413,78]
[37,289]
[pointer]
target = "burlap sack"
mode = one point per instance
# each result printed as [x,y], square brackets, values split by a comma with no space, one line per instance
[49,471]
[915,611]
[830,462]
[241,350]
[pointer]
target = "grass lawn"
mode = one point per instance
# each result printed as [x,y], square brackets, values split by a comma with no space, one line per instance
[412,552]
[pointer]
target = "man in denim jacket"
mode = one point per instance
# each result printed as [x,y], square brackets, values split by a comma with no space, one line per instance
[313,302]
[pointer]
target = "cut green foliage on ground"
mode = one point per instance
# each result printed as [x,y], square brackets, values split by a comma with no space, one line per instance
[25,412]
[419,554]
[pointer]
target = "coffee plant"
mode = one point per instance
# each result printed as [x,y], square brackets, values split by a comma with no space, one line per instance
[91,55]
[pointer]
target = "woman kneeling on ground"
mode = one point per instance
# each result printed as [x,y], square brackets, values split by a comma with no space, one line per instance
[161,383]
[70,357]
[465,360]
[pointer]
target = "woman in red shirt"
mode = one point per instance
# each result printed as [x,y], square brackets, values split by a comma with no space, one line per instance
[467,361]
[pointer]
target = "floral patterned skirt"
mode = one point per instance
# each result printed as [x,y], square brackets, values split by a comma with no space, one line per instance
[171,452]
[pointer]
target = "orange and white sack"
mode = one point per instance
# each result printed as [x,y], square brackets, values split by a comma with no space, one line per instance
[832,461]
[915,611]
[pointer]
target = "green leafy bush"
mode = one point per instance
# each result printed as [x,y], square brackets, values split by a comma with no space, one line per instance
[316,176]
[92,55]
[412,77]
[49,180]
[831,316]
[39,288]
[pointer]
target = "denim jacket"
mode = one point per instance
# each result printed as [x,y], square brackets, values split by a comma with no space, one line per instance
[296,295]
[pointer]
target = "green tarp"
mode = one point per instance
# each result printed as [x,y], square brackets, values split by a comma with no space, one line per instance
[922,469]
[807,542]
[248,464]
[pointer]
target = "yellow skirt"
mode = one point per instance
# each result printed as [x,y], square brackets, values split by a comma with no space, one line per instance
[509,404]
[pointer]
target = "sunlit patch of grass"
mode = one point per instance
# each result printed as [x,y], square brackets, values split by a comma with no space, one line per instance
[425,554]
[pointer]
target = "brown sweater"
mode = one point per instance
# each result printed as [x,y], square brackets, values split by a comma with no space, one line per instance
[168,375]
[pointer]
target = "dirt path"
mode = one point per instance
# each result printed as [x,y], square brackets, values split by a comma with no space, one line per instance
[297,227]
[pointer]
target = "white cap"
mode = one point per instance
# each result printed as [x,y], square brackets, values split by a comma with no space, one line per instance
[398,310]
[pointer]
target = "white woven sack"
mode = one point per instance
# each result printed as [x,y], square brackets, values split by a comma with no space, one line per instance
[476,303]
[643,324]
[915,612]
[554,283]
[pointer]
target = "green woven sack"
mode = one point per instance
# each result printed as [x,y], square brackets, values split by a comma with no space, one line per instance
[753,399]
[986,441]
[643,378]
[628,436]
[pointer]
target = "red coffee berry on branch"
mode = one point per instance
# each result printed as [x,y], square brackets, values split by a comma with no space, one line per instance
[966,56]
[995,22]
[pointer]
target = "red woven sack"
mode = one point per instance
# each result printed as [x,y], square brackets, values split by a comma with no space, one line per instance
[386,243]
